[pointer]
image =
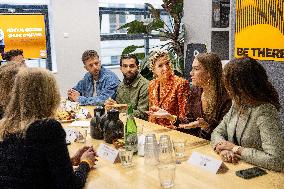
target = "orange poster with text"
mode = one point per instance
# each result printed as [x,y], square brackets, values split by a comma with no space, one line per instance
[26,32]
[260,29]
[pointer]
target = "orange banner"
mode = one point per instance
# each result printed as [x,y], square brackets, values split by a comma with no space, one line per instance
[26,32]
[260,29]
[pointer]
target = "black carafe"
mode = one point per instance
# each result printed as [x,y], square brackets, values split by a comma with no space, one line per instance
[113,126]
[96,127]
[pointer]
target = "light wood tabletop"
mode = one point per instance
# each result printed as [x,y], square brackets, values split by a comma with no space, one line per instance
[106,175]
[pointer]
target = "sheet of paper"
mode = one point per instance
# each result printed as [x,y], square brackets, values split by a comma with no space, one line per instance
[80,124]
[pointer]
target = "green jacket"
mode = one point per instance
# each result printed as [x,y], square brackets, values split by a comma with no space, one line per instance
[259,131]
[137,94]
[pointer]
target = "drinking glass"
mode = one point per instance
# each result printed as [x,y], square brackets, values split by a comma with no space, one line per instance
[166,175]
[151,150]
[81,136]
[178,146]
[165,149]
[126,157]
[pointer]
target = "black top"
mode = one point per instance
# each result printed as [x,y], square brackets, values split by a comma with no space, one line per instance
[39,160]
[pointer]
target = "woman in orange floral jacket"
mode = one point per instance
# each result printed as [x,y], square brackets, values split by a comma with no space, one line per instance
[166,92]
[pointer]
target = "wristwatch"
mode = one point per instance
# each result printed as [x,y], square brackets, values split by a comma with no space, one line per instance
[235,149]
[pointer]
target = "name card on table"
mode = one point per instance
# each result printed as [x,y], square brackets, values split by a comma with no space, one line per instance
[106,152]
[205,162]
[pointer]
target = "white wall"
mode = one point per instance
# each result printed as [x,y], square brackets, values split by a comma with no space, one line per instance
[197,19]
[79,20]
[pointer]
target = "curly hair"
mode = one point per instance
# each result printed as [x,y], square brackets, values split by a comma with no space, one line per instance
[213,65]
[89,54]
[12,53]
[247,83]
[35,96]
[155,55]
[8,74]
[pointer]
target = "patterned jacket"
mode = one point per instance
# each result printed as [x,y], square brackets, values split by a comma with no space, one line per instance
[173,98]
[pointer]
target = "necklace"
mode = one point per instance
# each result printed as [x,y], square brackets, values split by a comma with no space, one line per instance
[208,102]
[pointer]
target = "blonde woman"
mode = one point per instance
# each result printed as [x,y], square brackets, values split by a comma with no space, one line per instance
[167,92]
[33,151]
[8,73]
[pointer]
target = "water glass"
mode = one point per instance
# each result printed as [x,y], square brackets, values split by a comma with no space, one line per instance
[166,175]
[165,150]
[81,136]
[179,146]
[126,157]
[151,150]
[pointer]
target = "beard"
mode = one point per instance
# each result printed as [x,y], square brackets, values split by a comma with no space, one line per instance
[128,79]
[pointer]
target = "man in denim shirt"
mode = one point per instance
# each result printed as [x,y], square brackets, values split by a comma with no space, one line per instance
[97,85]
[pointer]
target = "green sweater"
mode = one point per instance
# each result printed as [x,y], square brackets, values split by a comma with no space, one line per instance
[137,94]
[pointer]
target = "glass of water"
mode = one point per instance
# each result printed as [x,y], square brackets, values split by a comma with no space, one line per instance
[166,175]
[126,157]
[179,146]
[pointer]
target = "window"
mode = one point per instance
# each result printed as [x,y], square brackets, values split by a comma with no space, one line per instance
[114,60]
[113,16]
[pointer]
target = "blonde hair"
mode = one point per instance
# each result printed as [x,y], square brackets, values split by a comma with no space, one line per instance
[35,96]
[8,74]
[155,55]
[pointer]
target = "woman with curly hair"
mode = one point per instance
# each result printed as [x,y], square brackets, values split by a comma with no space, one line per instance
[8,74]
[168,93]
[33,151]
[251,130]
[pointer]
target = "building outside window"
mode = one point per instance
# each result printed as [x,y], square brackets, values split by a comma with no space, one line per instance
[113,16]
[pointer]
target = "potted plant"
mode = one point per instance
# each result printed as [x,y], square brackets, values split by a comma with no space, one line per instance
[173,34]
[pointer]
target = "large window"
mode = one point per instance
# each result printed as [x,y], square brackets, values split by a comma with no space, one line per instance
[113,41]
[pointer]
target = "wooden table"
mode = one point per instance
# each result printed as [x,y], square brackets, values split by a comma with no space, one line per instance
[112,176]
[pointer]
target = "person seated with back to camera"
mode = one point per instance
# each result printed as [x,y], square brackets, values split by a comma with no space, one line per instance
[33,150]
[97,85]
[251,130]
[134,88]
[8,74]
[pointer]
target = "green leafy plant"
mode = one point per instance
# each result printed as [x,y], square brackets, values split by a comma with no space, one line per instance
[173,34]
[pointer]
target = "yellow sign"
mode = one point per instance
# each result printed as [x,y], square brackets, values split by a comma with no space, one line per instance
[26,32]
[260,29]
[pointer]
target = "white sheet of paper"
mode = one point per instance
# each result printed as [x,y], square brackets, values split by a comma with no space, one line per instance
[205,162]
[106,152]
[80,124]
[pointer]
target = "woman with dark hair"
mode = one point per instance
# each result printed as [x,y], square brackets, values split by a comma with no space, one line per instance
[251,130]
[33,151]
[208,99]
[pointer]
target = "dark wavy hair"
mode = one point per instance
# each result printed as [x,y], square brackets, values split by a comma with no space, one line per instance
[12,53]
[247,82]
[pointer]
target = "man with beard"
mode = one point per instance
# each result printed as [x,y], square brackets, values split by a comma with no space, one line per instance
[134,88]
